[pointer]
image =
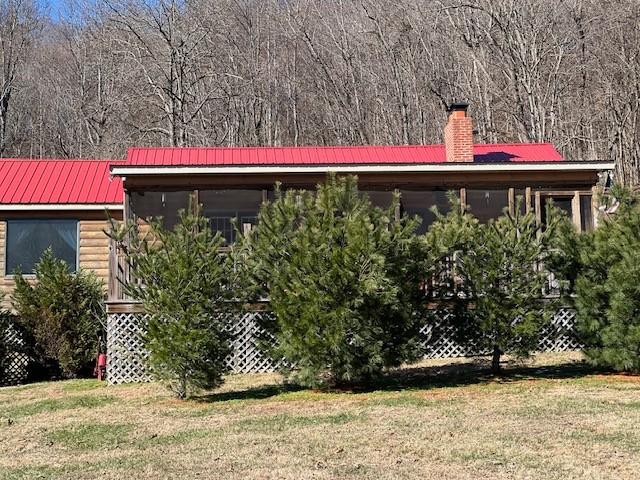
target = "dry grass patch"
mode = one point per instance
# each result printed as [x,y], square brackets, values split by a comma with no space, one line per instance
[552,418]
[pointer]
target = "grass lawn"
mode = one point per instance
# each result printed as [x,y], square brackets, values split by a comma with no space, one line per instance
[554,418]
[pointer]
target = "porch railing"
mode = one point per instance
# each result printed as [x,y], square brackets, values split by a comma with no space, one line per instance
[441,285]
[119,274]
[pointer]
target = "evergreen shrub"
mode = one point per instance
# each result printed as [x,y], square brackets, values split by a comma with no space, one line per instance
[182,279]
[608,288]
[62,317]
[342,278]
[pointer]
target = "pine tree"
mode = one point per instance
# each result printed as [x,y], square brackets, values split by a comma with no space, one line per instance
[62,316]
[342,281]
[497,279]
[182,279]
[608,289]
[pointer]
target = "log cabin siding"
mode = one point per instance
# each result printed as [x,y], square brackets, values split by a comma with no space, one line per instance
[93,251]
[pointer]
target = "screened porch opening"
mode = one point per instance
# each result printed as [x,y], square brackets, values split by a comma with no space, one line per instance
[420,203]
[486,205]
[379,198]
[223,207]
[562,202]
[164,205]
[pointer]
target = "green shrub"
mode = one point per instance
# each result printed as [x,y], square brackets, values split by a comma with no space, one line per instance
[183,283]
[495,279]
[608,289]
[62,315]
[342,279]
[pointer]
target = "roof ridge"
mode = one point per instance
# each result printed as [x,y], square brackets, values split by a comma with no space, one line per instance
[272,147]
[276,147]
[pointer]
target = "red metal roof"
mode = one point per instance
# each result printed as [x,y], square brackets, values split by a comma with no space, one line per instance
[58,182]
[371,155]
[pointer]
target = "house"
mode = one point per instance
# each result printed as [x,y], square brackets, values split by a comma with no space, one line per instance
[233,182]
[64,203]
[61,204]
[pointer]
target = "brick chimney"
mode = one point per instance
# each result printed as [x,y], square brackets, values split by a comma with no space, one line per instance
[458,134]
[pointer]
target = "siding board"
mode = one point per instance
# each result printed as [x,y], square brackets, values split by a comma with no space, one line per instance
[94,248]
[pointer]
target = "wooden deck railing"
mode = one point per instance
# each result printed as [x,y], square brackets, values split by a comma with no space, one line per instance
[445,283]
[119,273]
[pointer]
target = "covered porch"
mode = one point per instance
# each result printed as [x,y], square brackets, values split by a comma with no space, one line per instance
[229,198]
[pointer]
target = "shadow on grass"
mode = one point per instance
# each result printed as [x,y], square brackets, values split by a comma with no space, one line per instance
[254,393]
[422,378]
[473,373]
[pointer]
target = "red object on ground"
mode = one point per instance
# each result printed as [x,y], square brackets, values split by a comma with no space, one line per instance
[359,155]
[101,366]
[78,182]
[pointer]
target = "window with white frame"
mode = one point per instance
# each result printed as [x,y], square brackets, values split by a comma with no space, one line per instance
[27,239]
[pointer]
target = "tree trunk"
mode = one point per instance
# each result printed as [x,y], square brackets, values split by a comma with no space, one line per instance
[495,361]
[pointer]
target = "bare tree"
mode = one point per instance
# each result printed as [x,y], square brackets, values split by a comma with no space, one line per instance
[18,26]
[267,72]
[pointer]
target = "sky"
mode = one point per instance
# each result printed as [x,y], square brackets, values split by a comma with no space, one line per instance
[54,9]
[57,9]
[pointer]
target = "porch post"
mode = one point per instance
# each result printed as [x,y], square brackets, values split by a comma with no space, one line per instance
[575,210]
[595,192]
[463,199]
[512,201]
[538,208]
[127,213]
[398,212]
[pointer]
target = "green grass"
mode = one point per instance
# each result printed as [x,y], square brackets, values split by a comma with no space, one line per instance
[71,386]
[412,401]
[282,422]
[439,422]
[178,438]
[73,469]
[89,436]
[51,405]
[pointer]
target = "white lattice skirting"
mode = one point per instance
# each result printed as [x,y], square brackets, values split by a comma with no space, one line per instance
[127,356]
[15,365]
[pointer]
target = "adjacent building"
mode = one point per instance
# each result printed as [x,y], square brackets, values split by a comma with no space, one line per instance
[57,204]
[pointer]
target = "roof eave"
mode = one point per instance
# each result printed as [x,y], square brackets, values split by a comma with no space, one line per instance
[23,207]
[135,170]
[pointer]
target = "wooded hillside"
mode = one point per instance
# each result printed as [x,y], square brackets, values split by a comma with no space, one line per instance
[110,74]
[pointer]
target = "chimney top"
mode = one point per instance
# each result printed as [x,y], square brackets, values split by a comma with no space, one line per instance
[458,134]
[458,107]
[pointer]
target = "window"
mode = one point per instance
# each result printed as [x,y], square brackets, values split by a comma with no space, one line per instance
[28,239]
[222,206]
[160,204]
[487,204]
[420,204]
